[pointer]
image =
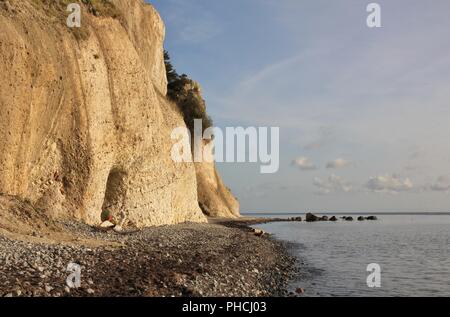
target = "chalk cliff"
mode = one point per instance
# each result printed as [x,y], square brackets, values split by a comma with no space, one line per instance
[85,123]
[215,199]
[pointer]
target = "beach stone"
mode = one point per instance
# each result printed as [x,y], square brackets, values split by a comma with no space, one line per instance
[333,218]
[107,224]
[349,219]
[324,218]
[238,274]
[361,219]
[118,228]
[258,232]
[300,290]
[373,218]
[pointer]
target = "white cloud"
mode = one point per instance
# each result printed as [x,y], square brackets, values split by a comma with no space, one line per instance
[304,164]
[338,163]
[389,183]
[442,184]
[332,184]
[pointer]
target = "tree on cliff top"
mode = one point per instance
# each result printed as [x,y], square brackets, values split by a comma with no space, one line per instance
[172,75]
[187,94]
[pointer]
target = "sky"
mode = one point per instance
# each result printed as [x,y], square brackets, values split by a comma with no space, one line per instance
[364,113]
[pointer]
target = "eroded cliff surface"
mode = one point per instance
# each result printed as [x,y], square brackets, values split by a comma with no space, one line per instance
[85,124]
[215,199]
[85,121]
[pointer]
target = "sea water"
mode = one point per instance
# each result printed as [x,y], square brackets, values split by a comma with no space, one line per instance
[413,252]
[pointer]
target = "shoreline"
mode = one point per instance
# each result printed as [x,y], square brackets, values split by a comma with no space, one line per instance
[223,258]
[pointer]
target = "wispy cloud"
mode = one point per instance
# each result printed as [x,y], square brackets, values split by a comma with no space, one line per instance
[332,184]
[304,163]
[191,21]
[389,184]
[442,184]
[338,163]
[267,73]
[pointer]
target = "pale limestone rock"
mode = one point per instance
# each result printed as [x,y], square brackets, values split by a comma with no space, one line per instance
[215,199]
[107,224]
[85,123]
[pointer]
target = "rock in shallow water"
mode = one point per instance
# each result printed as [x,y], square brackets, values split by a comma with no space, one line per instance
[311,218]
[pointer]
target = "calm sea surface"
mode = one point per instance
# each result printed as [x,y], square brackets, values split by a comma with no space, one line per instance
[413,252]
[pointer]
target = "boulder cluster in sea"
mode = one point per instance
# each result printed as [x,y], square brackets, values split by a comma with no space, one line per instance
[313,218]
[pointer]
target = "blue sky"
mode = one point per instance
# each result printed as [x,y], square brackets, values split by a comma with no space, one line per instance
[364,113]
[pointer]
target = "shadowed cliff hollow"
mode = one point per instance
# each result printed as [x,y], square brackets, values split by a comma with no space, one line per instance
[85,121]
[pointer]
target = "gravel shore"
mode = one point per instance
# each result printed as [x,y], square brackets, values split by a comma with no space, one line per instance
[215,259]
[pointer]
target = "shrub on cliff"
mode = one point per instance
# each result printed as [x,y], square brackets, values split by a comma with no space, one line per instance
[187,94]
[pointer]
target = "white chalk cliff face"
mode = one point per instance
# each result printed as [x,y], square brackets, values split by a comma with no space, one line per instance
[85,123]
